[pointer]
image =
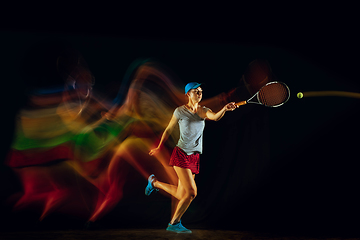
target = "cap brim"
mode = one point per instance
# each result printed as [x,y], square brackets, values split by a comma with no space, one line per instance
[196,86]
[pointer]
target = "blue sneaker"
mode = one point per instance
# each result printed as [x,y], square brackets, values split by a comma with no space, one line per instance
[178,228]
[150,188]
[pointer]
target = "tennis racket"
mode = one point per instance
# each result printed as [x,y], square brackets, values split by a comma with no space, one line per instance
[273,94]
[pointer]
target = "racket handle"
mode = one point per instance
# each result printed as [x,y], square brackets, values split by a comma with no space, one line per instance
[241,103]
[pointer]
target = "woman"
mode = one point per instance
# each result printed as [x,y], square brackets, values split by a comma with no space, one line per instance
[185,157]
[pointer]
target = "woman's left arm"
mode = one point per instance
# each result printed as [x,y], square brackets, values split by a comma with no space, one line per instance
[217,116]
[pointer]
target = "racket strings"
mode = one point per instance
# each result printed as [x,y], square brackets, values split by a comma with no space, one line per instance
[273,94]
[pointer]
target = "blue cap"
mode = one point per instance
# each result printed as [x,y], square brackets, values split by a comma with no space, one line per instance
[191,85]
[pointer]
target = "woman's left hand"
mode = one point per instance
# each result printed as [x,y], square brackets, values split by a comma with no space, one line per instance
[230,106]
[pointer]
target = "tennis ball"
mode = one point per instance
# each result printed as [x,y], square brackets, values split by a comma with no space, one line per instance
[300,95]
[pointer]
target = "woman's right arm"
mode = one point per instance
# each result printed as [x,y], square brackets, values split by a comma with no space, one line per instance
[165,134]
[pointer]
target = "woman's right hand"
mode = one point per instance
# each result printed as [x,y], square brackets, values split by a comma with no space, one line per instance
[154,151]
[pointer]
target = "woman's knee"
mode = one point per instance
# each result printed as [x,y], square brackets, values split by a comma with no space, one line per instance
[191,194]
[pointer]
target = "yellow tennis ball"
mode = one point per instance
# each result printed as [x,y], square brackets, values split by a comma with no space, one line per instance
[300,95]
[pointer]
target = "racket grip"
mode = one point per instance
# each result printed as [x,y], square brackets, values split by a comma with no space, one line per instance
[241,103]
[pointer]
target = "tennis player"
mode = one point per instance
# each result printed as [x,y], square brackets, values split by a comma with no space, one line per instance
[186,155]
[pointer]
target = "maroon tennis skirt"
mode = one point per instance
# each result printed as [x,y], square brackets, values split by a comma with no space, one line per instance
[180,159]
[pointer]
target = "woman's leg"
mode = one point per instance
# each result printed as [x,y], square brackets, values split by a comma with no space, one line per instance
[175,191]
[169,188]
[188,190]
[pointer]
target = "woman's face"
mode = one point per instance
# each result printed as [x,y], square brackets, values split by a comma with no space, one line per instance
[195,94]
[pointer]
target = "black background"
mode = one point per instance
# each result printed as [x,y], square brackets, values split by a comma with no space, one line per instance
[293,168]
